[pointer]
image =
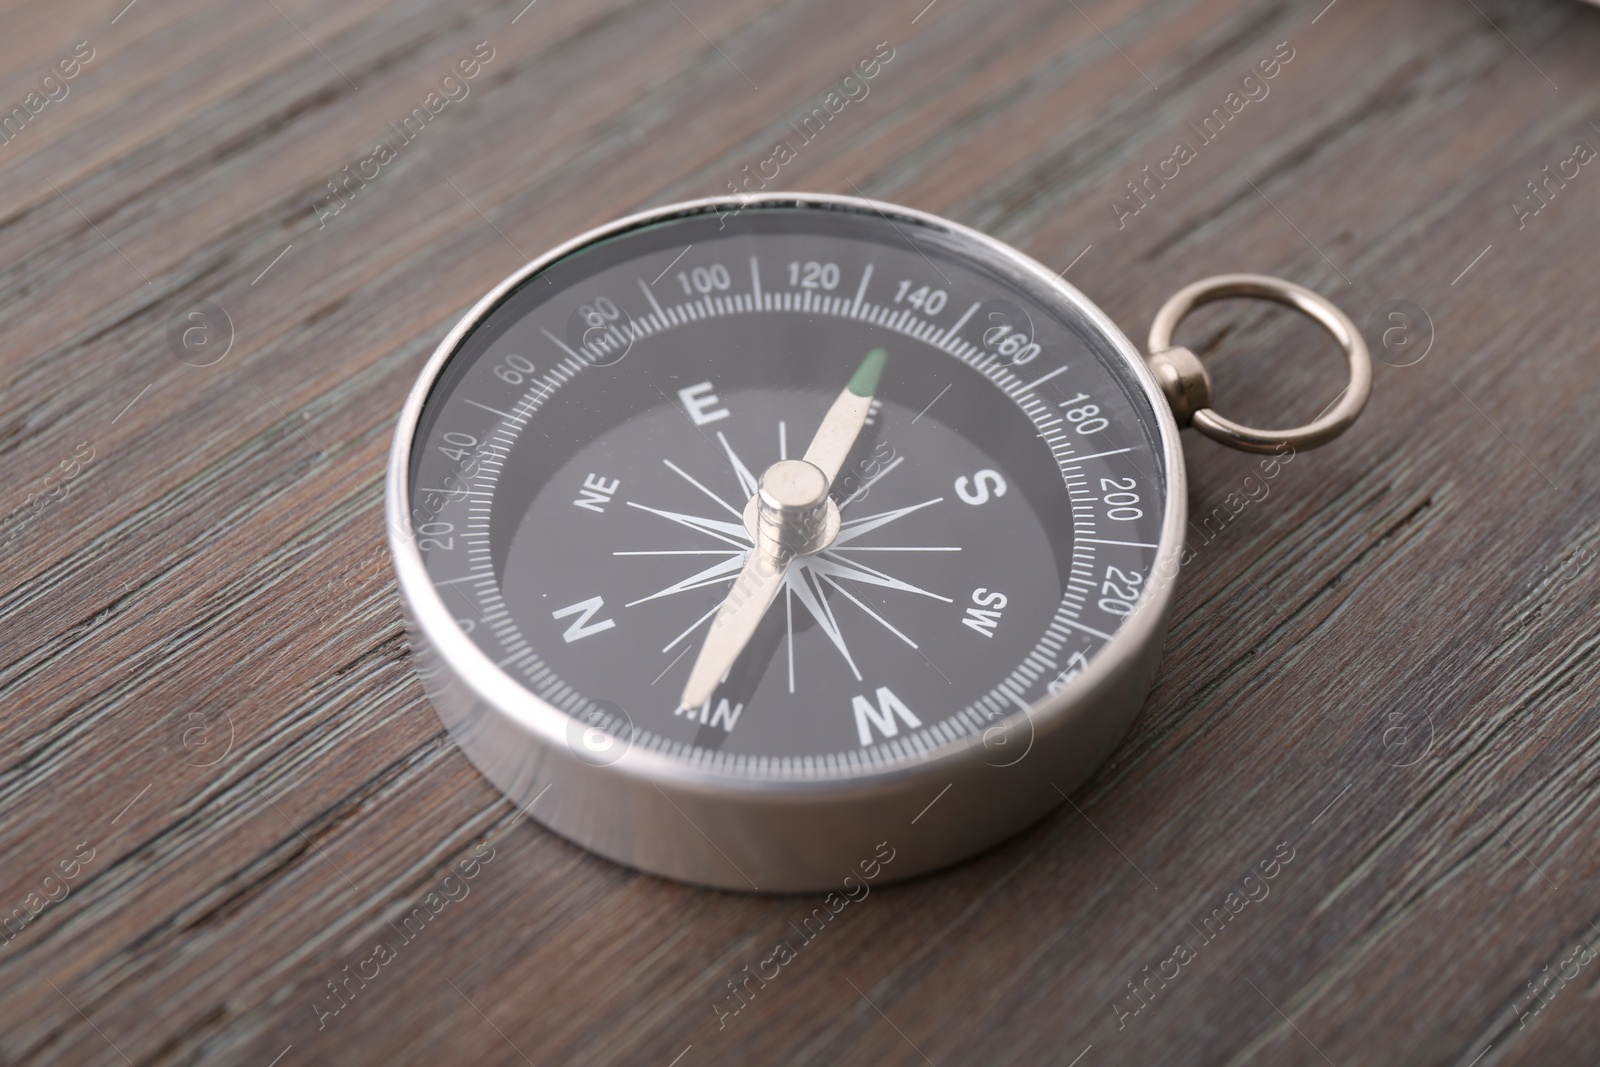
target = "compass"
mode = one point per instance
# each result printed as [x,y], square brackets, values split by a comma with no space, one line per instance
[741,537]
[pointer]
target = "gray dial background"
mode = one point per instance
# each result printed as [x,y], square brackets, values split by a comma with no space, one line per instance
[561,421]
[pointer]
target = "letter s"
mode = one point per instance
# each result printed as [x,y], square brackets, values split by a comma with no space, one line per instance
[982,482]
[983,598]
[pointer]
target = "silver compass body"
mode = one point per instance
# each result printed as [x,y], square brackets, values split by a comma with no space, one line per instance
[738,538]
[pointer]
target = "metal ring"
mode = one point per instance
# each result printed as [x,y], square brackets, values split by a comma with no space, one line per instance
[1326,427]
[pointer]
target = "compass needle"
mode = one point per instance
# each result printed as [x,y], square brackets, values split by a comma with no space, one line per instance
[794,517]
[844,420]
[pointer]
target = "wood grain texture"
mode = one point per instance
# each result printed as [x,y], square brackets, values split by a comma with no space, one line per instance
[219,560]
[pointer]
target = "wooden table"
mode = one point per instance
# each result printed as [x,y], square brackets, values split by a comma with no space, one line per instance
[222,785]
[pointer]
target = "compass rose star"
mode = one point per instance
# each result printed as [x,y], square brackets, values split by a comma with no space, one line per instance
[809,580]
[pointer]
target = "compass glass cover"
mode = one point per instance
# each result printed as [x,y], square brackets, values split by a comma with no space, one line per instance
[580,475]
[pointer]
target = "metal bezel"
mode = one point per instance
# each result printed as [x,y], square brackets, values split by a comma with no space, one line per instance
[1134,647]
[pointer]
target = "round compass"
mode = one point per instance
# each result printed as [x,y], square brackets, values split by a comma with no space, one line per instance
[740,538]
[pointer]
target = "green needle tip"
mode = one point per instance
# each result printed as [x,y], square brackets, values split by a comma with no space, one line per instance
[865,380]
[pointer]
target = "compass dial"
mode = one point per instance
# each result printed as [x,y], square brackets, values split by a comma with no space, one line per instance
[591,468]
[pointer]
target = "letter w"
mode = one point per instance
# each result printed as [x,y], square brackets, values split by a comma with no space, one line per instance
[982,620]
[881,716]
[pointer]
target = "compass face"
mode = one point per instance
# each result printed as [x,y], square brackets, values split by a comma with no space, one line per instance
[582,477]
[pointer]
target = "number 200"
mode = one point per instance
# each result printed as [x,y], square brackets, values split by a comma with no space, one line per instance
[1120,499]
